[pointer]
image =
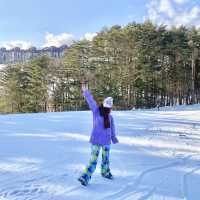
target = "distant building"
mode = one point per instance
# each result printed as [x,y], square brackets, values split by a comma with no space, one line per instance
[17,55]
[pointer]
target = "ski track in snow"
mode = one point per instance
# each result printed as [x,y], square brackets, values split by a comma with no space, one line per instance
[158,157]
[185,182]
[186,176]
[131,188]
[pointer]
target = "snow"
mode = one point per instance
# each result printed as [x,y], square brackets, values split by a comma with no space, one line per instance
[158,156]
[2,66]
[177,108]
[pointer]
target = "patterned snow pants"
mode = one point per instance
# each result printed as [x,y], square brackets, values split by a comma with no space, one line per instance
[93,161]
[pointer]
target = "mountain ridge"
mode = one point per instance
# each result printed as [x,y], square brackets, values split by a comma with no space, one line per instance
[17,55]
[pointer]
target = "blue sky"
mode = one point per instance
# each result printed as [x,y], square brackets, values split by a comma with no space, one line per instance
[45,22]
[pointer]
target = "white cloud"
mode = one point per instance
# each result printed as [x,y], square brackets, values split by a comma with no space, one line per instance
[153,13]
[172,13]
[88,36]
[17,43]
[180,1]
[50,40]
[187,18]
[58,40]
[166,7]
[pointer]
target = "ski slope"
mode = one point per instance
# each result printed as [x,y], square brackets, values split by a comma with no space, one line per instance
[158,156]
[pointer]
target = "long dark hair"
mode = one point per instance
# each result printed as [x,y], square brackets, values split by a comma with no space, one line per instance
[104,112]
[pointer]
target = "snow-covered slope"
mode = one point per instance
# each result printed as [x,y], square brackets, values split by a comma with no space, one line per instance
[158,157]
[178,108]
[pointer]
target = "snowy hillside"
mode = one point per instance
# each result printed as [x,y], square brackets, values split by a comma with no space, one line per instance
[179,108]
[158,157]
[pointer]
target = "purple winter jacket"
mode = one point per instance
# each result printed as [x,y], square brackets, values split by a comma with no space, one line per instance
[100,135]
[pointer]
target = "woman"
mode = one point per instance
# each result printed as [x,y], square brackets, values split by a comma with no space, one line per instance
[102,134]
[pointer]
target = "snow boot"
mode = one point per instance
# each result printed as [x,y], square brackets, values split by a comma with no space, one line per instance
[107,175]
[83,181]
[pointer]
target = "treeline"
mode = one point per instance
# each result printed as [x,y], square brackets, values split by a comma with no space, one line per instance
[139,65]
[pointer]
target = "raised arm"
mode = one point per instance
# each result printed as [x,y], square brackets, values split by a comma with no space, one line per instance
[89,98]
[113,135]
